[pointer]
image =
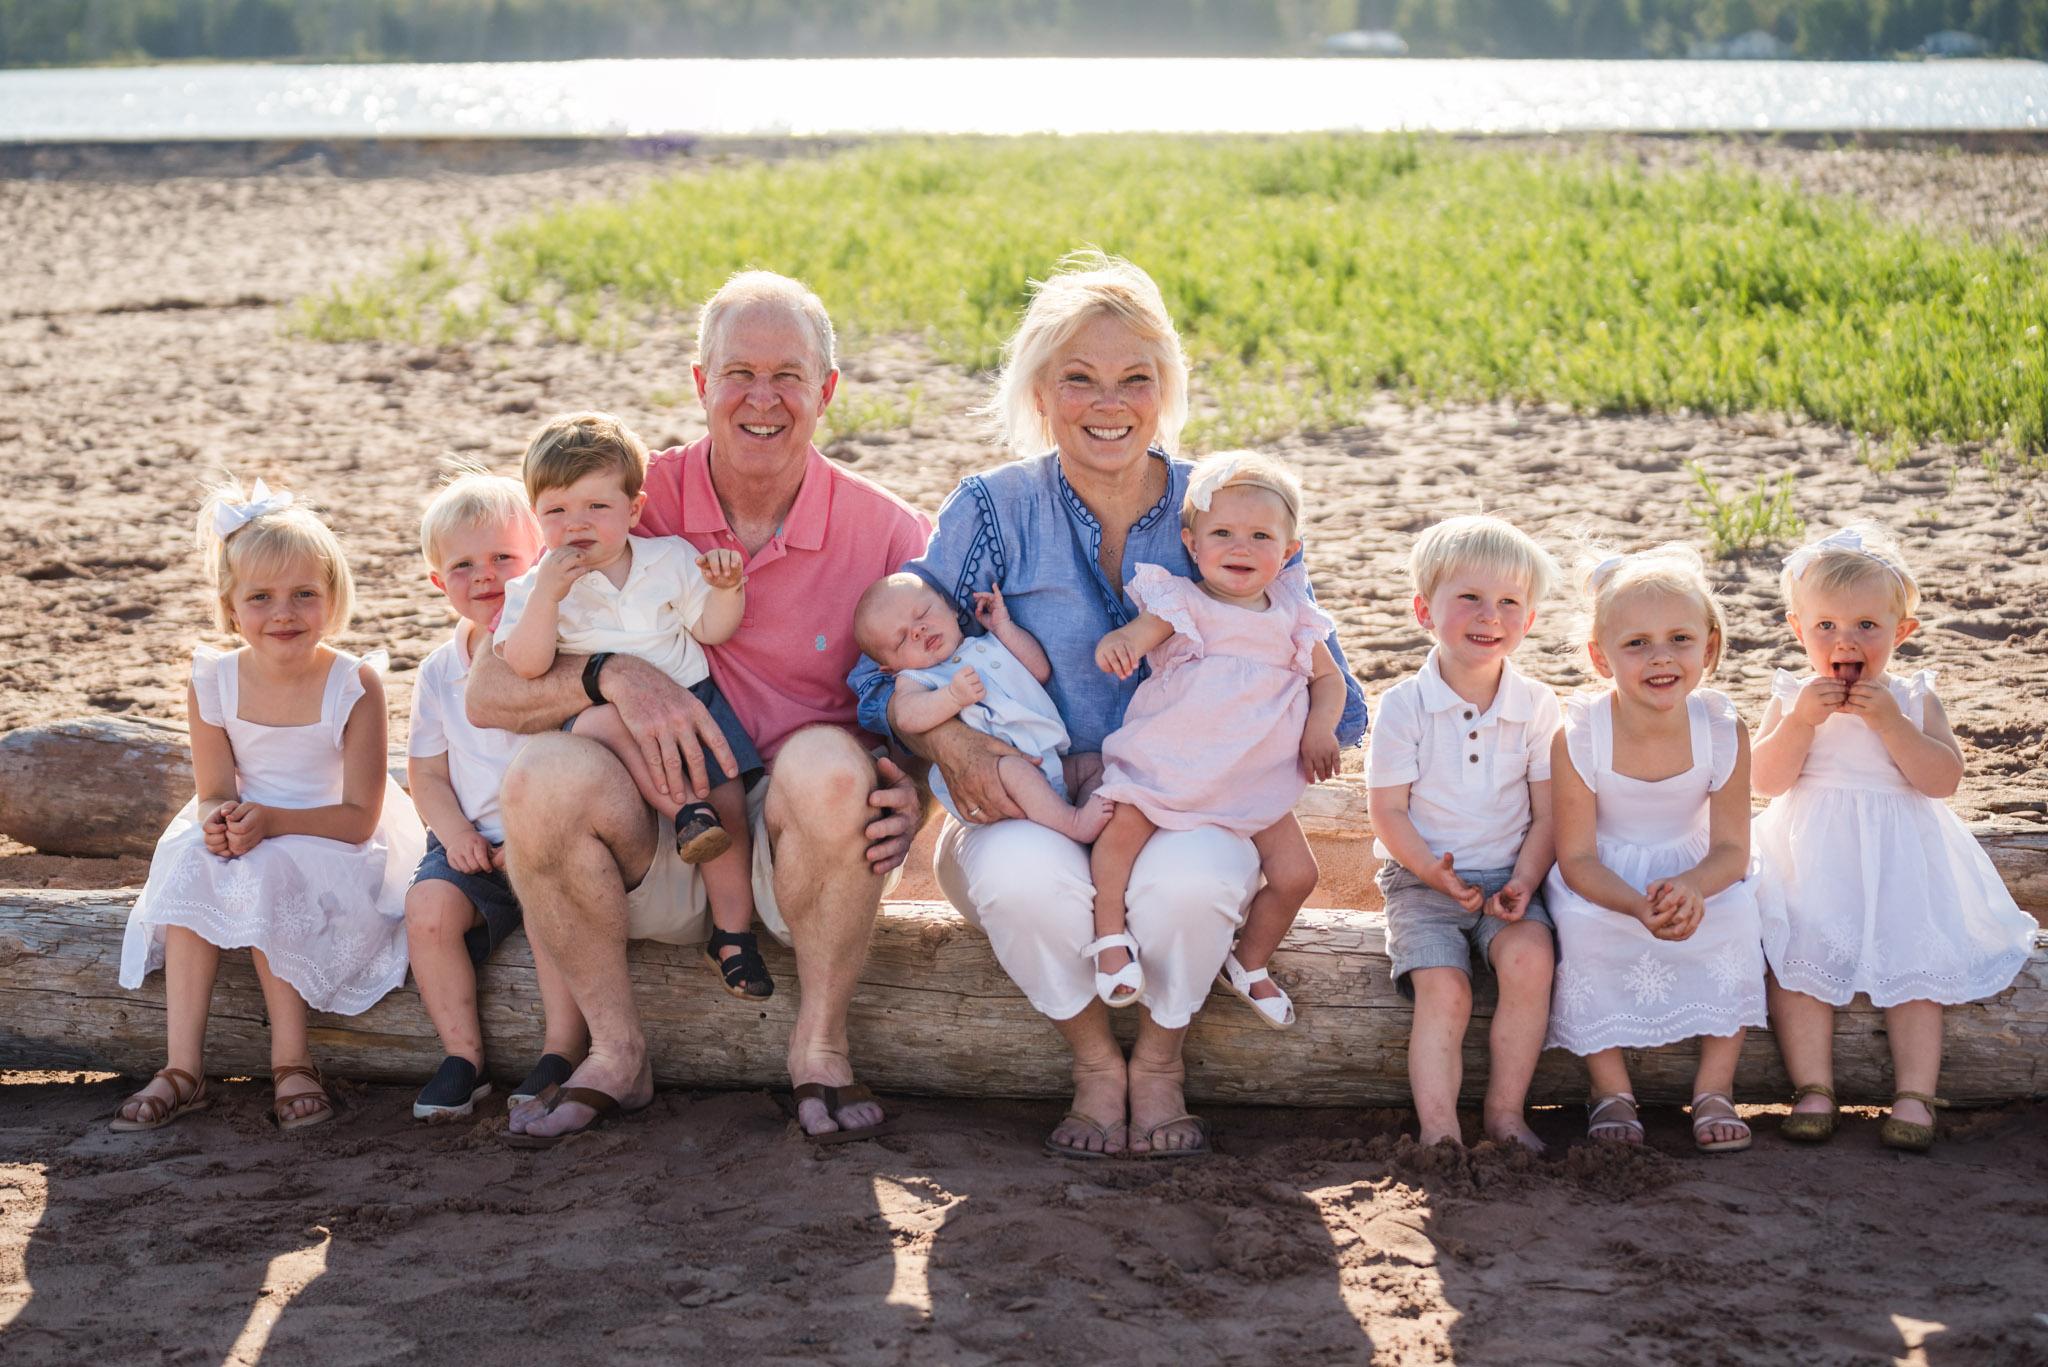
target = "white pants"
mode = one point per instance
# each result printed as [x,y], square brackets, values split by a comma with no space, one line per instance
[1029,890]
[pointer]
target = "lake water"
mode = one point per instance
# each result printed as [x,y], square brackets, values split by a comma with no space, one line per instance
[1009,96]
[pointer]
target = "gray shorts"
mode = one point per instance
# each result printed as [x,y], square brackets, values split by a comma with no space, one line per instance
[1428,929]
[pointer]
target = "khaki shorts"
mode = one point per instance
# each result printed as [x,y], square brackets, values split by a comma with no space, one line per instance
[670,903]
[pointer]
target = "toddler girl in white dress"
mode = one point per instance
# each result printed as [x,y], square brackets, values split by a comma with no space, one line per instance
[1878,888]
[1656,914]
[297,845]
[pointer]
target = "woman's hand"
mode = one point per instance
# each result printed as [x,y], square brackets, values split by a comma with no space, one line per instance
[1819,697]
[1117,654]
[890,834]
[1319,753]
[968,760]
[248,825]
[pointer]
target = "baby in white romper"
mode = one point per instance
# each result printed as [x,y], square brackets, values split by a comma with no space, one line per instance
[994,683]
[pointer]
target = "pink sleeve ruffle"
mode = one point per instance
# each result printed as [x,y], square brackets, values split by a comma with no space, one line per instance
[1164,594]
[1312,626]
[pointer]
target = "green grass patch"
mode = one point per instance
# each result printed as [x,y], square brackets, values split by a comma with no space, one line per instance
[1306,273]
[1735,522]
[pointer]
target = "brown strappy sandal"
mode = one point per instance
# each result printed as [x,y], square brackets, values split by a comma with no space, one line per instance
[279,1104]
[1905,1135]
[188,1093]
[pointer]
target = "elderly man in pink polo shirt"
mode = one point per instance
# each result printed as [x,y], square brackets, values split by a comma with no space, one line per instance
[831,824]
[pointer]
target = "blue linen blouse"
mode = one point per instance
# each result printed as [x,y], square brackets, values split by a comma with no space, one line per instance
[1022,526]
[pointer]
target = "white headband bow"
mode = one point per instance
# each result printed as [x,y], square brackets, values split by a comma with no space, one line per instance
[1605,568]
[1211,477]
[229,518]
[1847,539]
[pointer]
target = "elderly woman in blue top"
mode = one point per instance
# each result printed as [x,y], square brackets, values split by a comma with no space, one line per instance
[1095,373]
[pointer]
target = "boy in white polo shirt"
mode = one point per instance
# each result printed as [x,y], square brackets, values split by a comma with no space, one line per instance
[1459,778]
[477,536]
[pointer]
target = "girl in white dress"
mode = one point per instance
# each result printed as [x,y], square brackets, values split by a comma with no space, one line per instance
[297,845]
[1656,912]
[1878,887]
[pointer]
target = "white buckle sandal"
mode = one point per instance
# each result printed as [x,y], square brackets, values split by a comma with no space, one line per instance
[1275,1012]
[1702,1122]
[1127,984]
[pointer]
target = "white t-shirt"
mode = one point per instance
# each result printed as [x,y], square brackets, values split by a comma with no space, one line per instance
[1468,773]
[649,616]
[477,755]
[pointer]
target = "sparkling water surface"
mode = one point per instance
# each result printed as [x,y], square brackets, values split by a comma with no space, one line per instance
[707,98]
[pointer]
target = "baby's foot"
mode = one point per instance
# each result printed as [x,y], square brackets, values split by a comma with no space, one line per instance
[1090,816]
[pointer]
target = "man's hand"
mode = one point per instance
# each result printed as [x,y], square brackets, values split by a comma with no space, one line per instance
[1444,879]
[968,760]
[559,570]
[990,610]
[723,569]
[1511,903]
[673,729]
[967,688]
[891,833]
[1819,697]
[469,853]
[1319,754]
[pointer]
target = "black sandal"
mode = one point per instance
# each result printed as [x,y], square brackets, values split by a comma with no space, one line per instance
[745,973]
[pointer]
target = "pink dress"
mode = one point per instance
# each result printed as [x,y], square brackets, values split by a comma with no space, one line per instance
[1213,737]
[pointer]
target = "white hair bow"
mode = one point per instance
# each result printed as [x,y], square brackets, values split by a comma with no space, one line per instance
[229,518]
[1212,476]
[1847,539]
[1605,568]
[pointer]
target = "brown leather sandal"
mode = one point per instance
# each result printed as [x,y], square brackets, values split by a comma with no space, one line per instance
[1811,1127]
[1904,1134]
[188,1093]
[279,1104]
[836,1100]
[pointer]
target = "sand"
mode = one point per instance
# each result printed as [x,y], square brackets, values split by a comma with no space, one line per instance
[141,344]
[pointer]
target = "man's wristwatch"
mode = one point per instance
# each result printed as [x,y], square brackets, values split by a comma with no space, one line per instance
[592,668]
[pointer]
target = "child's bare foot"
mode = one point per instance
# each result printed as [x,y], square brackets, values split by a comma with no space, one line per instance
[1090,816]
[1510,1128]
[1429,1135]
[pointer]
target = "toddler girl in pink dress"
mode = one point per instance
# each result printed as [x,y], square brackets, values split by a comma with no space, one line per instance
[1238,717]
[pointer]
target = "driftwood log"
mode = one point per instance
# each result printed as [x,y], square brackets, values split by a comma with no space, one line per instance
[934,1014]
[102,787]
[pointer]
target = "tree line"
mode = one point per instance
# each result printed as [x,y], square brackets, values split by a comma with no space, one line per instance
[55,32]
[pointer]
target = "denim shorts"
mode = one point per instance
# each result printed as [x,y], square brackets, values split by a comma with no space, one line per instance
[1428,929]
[743,752]
[489,892]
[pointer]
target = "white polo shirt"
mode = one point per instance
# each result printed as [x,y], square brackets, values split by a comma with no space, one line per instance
[650,615]
[478,756]
[1468,772]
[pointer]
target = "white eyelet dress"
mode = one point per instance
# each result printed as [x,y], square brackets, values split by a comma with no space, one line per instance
[1874,887]
[330,917]
[1617,984]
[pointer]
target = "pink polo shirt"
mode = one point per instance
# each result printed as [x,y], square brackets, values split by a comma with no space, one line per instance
[786,667]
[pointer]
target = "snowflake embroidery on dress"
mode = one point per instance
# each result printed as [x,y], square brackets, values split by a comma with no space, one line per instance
[296,918]
[1574,989]
[1843,944]
[240,889]
[1650,980]
[1731,970]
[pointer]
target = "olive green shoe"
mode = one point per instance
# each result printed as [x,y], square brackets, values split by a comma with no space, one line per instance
[1812,1127]
[1904,1134]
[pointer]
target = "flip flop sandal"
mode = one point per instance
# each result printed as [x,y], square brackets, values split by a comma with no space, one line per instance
[280,1104]
[552,1071]
[1054,1149]
[1811,1127]
[1906,1135]
[452,1092]
[836,1100]
[604,1104]
[1276,1013]
[1200,1149]
[1630,1131]
[1731,1120]
[745,974]
[153,1112]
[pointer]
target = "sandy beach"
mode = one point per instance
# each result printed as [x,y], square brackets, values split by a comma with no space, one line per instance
[142,345]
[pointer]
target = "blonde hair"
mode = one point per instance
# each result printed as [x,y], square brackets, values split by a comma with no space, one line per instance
[473,497]
[1485,544]
[1241,470]
[871,601]
[265,542]
[747,288]
[573,445]
[1088,285]
[1817,565]
[1605,578]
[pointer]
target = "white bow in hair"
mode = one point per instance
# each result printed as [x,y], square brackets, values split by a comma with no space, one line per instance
[1212,475]
[232,517]
[1605,568]
[1847,539]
